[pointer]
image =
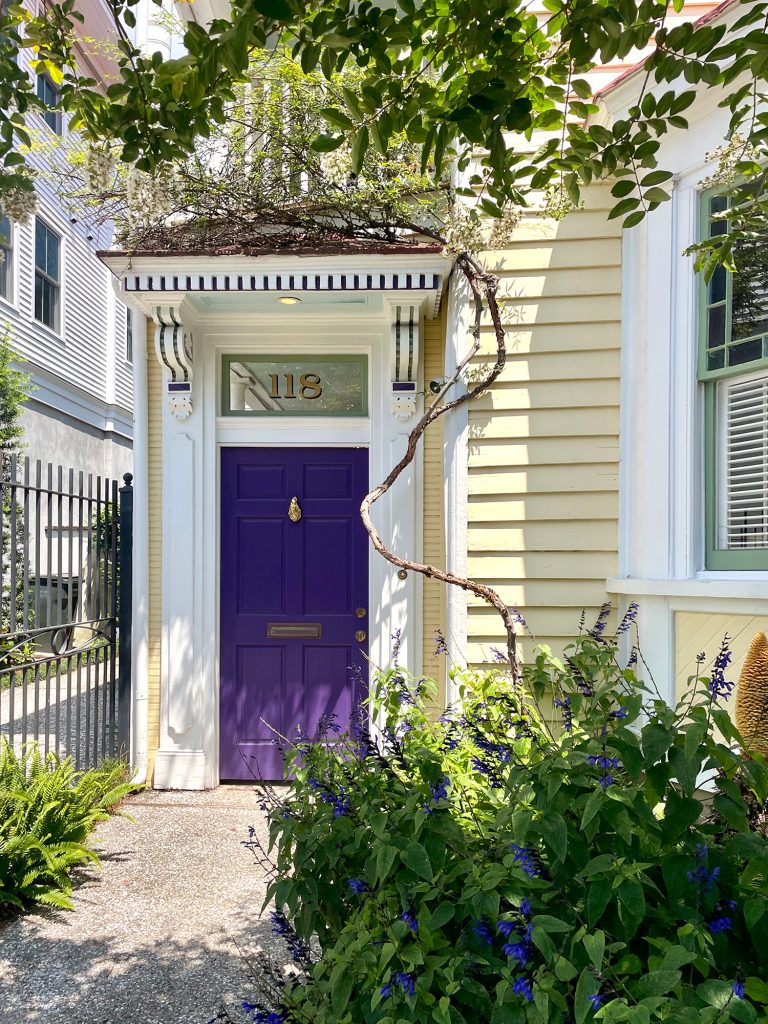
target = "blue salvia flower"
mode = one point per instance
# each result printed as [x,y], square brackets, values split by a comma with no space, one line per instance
[410,920]
[522,987]
[525,907]
[596,999]
[506,928]
[407,982]
[441,647]
[396,637]
[717,925]
[629,617]
[483,931]
[738,988]
[263,1016]
[718,685]
[527,860]
[357,886]
[517,951]
[564,704]
[700,876]
[386,989]
[499,656]
[621,713]
[601,621]
[440,789]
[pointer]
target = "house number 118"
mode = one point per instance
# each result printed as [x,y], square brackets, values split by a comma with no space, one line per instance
[310,386]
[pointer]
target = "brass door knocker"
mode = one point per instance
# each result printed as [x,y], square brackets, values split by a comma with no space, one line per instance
[294,512]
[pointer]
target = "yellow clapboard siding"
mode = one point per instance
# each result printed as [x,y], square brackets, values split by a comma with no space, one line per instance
[558,282]
[571,593]
[704,631]
[595,308]
[544,479]
[589,422]
[583,225]
[554,254]
[542,565]
[543,445]
[586,507]
[566,535]
[433,593]
[543,451]
[552,366]
[549,394]
[567,337]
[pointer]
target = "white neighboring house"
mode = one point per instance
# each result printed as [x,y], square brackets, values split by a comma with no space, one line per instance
[65,319]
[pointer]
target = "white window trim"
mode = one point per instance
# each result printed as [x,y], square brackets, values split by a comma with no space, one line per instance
[13,300]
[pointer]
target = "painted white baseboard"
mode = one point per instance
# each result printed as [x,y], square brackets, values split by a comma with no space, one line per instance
[179,769]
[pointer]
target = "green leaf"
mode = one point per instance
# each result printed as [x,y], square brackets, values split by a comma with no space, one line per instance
[551,924]
[342,979]
[554,832]
[631,895]
[591,807]
[657,739]
[414,856]
[441,915]
[757,989]
[385,858]
[598,897]
[595,947]
[326,143]
[337,118]
[655,983]
[277,9]
[586,987]
[359,148]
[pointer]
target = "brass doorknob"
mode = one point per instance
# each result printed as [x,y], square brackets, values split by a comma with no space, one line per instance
[360,635]
[360,613]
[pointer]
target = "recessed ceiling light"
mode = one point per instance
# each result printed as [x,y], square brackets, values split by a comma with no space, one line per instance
[289,300]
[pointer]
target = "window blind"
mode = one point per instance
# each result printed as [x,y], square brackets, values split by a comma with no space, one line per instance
[746,464]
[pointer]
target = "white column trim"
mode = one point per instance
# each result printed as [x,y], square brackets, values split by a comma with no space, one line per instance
[456,479]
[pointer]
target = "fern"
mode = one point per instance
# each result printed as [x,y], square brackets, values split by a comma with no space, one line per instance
[47,812]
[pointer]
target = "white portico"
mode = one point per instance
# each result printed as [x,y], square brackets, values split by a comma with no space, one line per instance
[279,352]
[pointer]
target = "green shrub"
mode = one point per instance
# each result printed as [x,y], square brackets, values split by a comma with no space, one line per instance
[47,811]
[543,853]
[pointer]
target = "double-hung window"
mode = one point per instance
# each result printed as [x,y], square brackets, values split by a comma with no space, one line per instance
[128,335]
[733,367]
[6,259]
[47,276]
[49,94]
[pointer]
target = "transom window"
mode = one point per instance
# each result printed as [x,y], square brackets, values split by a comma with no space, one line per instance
[49,94]
[47,275]
[6,258]
[734,369]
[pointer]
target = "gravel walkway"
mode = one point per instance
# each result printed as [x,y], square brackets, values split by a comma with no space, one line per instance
[161,934]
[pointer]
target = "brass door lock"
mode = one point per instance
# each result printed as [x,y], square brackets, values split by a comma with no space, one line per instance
[360,613]
[360,635]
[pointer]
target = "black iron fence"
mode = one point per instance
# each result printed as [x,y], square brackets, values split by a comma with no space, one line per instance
[65,619]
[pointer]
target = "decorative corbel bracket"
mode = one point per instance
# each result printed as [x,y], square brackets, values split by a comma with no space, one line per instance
[173,345]
[405,359]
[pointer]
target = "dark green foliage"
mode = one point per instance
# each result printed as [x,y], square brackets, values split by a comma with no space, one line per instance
[513,863]
[47,812]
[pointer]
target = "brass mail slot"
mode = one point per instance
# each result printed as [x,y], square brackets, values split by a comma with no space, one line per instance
[307,630]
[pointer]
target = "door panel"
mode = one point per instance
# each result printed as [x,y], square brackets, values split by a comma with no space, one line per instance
[281,579]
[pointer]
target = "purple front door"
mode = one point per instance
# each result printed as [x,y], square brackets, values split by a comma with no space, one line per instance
[294,594]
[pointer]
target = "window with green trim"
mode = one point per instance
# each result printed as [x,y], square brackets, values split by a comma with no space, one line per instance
[733,368]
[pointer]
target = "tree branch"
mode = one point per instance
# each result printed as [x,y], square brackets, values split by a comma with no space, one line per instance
[483,287]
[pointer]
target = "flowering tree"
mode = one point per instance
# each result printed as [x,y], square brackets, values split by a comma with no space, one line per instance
[450,78]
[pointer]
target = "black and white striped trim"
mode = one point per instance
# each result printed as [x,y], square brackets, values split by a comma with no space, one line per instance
[174,345]
[405,343]
[324,282]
